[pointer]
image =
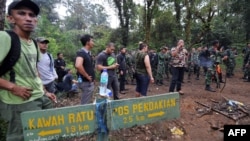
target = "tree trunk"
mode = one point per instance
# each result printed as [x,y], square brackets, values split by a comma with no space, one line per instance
[149,9]
[2,13]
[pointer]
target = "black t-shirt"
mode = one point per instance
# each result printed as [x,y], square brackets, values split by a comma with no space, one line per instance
[87,64]
[105,59]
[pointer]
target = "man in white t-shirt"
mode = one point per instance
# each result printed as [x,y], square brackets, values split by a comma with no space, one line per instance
[46,66]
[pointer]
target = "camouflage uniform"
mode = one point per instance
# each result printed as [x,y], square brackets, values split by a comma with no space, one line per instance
[214,72]
[160,68]
[247,66]
[245,59]
[130,68]
[229,62]
[193,64]
[153,62]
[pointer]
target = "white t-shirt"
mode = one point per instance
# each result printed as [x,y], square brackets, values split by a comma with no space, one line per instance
[46,69]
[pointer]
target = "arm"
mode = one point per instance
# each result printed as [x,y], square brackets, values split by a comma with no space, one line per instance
[80,68]
[148,68]
[20,91]
[100,66]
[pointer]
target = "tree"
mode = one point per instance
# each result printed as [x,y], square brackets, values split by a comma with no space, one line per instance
[126,11]
[2,13]
[150,7]
[47,8]
[81,15]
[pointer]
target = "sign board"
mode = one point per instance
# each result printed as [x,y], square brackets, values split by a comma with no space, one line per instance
[60,123]
[138,111]
[69,122]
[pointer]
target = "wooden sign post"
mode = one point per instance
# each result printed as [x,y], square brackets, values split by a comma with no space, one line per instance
[75,121]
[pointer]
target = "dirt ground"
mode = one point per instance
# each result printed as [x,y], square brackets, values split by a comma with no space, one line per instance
[192,123]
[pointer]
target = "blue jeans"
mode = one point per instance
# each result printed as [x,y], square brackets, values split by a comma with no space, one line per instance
[87,91]
[51,87]
[142,82]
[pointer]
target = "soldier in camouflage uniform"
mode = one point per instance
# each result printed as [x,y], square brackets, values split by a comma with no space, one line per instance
[229,62]
[153,61]
[130,64]
[214,70]
[246,53]
[247,65]
[167,61]
[193,63]
[161,66]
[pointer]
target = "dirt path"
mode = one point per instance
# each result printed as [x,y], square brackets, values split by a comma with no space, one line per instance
[194,126]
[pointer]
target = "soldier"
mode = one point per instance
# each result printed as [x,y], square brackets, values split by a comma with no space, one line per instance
[230,62]
[214,69]
[167,61]
[161,66]
[153,61]
[130,64]
[193,62]
[245,59]
[247,65]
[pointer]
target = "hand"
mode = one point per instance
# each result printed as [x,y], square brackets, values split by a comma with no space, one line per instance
[116,65]
[152,80]
[22,92]
[89,78]
[51,96]
[121,72]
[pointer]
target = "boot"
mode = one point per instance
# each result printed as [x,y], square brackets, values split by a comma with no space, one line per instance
[208,88]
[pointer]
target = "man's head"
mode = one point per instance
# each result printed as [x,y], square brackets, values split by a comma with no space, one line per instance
[215,43]
[42,43]
[87,41]
[110,48]
[23,15]
[143,47]
[123,49]
[60,55]
[164,49]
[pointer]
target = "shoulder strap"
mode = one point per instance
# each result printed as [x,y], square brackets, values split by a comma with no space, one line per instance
[37,56]
[13,55]
[51,64]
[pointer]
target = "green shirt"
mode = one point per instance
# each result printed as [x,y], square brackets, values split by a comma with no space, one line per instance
[26,74]
[139,63]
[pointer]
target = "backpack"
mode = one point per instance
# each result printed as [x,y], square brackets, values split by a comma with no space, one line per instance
[13,56]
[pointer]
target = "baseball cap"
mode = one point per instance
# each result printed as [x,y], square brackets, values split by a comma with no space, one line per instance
[24,3]
[42,39]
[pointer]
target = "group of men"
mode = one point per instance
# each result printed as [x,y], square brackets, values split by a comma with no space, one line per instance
[33,85]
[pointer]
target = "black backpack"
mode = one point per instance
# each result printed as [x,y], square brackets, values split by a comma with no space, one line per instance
[13,56]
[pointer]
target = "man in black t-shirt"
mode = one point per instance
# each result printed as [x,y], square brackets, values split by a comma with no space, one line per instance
[60,65]
[106,60]
[85,69]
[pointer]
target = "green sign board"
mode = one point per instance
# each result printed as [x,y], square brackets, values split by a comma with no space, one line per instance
[60,123]
[139,111]
[69,122]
